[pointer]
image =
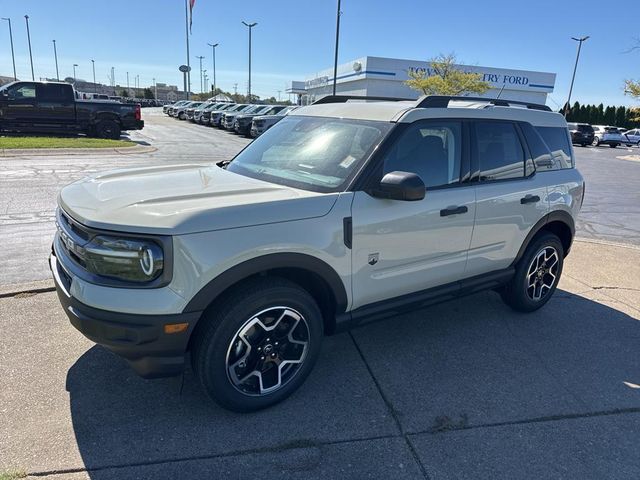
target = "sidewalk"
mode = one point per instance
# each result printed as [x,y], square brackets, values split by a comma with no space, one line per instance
[466,389]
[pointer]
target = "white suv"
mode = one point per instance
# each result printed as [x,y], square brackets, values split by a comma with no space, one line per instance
[343,212]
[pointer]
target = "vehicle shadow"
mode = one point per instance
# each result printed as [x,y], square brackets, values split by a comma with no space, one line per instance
[473,360]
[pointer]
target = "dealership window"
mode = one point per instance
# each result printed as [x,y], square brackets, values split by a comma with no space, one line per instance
[430,150]
[557,139]
[498,151]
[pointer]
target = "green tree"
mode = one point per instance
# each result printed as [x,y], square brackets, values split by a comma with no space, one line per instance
[147,93]
[445,78]
[124,93]
[621,117]
[609,115]
[599,114]
[584,114]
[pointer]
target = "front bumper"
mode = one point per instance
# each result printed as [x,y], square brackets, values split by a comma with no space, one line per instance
[140,339]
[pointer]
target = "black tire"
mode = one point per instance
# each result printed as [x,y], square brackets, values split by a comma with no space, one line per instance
[583,144]
[596,142]
[182,116]
[212,350]
[613,145]
[108,129]
[517,293]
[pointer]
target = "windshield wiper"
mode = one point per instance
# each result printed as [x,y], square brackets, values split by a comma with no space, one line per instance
[223,163]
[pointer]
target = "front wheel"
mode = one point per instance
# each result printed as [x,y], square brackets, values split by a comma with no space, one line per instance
[537,275]
[596,142]
[613,145]
[258,345]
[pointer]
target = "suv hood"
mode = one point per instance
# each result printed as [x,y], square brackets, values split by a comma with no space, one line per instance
[185,199]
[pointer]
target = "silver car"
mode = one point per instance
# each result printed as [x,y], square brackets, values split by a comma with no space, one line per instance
[607,135]
[262,123]
[342,213]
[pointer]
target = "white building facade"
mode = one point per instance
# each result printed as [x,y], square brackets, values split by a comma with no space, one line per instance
[385,77]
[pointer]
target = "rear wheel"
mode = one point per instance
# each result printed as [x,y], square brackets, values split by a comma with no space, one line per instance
[596,141]
[258,345]
[613,145]
[108,129]
[537,274]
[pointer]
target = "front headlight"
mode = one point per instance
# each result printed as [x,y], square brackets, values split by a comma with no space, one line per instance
[123,258]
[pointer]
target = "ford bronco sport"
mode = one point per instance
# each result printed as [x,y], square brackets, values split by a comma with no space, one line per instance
[345,211]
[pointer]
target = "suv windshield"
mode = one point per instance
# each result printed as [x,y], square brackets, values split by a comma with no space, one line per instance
[311,153]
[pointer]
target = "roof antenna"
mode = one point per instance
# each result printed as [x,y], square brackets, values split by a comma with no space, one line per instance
[500,92]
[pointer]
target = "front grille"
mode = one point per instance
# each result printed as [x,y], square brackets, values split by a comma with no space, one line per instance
[73,238]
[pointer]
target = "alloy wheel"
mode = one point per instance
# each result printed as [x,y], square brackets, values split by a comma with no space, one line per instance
[542,273]
[267,351]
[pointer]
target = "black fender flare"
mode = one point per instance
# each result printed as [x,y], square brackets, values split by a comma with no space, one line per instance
[257,265]
[554,216]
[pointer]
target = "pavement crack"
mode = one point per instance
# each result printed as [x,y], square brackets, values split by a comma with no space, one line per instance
[27,293]
[392,411]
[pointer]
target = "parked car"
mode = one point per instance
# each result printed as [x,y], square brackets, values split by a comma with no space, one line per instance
[190,112]
[205,116]
[242,122]
[215,118]
[52,107]
[607,135]
[167,107]
[176,105]
[229,116]
[262,123]
[581,133]
[341,213]
[181,112]
[197,113]
[632,137]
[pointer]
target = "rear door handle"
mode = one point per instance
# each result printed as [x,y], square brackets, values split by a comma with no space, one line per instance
[453,210]
[529,199]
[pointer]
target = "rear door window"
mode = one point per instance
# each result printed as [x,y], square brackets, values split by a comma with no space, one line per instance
[498,151]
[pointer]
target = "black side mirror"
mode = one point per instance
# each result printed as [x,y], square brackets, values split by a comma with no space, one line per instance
[400,186]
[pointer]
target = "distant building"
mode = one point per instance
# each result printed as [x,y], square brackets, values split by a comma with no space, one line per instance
[385,77]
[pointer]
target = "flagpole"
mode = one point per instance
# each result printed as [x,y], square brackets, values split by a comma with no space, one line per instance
[186,24]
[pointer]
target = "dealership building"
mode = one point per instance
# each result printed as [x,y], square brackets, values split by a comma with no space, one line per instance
[385,77]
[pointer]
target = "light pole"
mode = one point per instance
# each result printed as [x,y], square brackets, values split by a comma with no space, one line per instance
[128,93]
[26,19]
[186,25]
[250,26]
[204,75]
[575,67]
[213,48]
[55,56]
[13,57]
[155,89]
[74,72]
[200,58]
[93,65]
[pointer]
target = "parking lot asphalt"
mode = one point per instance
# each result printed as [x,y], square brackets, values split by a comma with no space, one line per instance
[465,389]
[30,184]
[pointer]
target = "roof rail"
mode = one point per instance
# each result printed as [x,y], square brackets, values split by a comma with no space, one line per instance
[346,98]
[442,101]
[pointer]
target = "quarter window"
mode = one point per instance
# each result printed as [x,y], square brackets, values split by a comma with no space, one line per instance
[557,139]
[498,150]
[430,150]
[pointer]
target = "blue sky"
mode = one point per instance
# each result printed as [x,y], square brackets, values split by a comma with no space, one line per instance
[296,38]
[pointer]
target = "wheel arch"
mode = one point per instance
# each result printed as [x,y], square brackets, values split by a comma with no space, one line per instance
[558,222]
[311,273]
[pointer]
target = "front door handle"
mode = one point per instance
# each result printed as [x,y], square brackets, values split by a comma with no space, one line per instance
[453,210]
[529,199]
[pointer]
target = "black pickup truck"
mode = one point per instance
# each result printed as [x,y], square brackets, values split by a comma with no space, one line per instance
[52,107]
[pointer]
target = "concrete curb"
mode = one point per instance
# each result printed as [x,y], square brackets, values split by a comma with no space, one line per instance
[38,286]
[48,152]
